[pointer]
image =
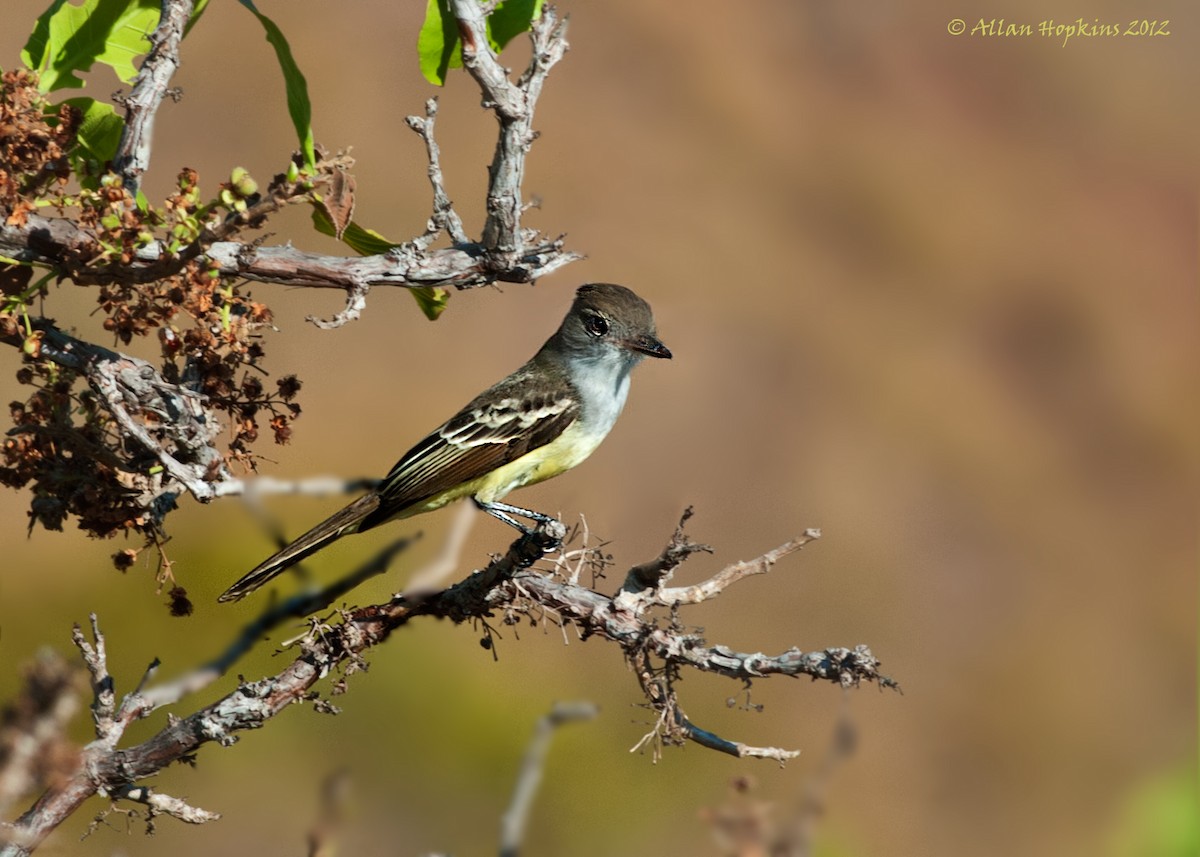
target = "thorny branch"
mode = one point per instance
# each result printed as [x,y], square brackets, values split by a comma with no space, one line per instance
[509,585]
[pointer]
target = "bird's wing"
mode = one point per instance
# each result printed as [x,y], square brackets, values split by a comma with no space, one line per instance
[472,443]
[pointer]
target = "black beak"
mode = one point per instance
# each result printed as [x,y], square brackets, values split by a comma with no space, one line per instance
[649,346]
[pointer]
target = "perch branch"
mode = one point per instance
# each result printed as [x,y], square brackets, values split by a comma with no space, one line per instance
[508,584]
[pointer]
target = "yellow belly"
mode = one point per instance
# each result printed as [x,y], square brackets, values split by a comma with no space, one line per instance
[569,449]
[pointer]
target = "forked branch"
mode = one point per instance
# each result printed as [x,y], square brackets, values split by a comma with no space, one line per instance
[515,584]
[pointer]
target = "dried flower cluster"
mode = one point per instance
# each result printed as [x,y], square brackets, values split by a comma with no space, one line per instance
[66,442]
[32,147]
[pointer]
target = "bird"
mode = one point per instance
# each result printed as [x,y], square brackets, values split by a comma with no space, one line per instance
[542,420]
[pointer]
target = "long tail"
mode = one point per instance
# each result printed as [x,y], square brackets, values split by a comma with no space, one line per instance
[330,530]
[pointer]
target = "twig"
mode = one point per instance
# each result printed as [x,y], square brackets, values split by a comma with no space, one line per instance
[314,486]
[153,79]
[95,657]
[444,215]
[164,804]
[731,574]
[658,571]
[356,302]
[734,748]
[512,823]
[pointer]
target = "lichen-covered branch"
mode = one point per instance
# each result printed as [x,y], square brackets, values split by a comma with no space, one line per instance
[102,767]
[168,444]
[149,89]
[514,584]
[444,218]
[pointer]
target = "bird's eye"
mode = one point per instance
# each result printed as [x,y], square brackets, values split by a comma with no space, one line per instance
[596,325]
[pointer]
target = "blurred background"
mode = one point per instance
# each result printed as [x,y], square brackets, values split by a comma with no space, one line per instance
[933,294]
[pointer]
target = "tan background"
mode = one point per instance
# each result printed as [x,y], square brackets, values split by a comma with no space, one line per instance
[933,294]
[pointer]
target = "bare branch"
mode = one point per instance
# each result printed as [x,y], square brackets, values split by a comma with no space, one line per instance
[508,583]
[33,746]
[149,88]
[444,215]
[55,241]
[655,573]
[731,574]
[513,105]
[512,823]
[143,702]
[103,769]
[103,694]
[164,804]
[314,486]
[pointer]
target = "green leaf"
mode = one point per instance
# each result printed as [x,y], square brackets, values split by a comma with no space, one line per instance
[299,106]
[510,19]
[438,45]
[67,39]
[368,242]
[438,49]
[99,130]
[432,301]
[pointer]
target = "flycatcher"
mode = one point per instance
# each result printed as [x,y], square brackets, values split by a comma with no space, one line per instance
[540,421]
